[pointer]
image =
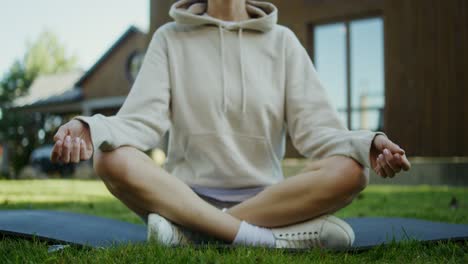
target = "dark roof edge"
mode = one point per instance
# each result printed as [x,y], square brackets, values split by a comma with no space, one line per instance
[132,29]
[69,96]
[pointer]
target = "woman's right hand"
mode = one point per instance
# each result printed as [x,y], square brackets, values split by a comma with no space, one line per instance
[72,143]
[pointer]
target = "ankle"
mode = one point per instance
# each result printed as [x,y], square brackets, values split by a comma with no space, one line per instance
[250,235]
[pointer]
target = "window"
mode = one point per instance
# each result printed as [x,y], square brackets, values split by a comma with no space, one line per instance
[349,59]
[134,62]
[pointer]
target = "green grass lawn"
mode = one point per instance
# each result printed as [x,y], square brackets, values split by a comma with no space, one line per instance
[91,197]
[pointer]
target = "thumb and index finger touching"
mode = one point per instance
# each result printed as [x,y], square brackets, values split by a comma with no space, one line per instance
[394,148]
[59,139]
[398,152]
[67,129]
[60,136]
[62,132]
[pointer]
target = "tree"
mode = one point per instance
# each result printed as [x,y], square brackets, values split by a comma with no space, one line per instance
[45,55]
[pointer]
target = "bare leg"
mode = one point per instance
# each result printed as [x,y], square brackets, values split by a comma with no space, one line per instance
[321,187]
[145,187]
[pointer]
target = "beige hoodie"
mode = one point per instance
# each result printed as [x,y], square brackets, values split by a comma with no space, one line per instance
[228,93]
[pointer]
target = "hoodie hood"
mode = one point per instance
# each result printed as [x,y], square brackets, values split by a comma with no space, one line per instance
[264,15]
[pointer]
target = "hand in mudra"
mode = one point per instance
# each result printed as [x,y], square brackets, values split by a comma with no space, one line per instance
[72,143]
[387,158]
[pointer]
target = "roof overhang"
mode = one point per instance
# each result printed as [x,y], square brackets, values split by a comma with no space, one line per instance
[80,106]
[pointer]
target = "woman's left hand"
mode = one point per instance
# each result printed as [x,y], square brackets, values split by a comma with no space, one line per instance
[387,158]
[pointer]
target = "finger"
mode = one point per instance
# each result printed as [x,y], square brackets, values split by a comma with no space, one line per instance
[66,149]
[388,171]
[61,133]
[379,169]
[394,148]
[398,160]
[89,148]
[382,173]
[391,161]
[56,151]
[75,152]
[405,164]
[83,151]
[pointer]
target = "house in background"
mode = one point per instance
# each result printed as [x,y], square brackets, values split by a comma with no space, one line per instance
[101,89]
[49,88]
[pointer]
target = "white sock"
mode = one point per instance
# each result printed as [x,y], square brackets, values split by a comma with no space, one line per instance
[251,235]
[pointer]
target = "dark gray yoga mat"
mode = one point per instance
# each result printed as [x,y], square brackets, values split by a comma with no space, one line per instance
[374,231]
[69,228]
[86,230]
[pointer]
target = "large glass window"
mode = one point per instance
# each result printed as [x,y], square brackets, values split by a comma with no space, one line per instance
[349,59]
[330,61]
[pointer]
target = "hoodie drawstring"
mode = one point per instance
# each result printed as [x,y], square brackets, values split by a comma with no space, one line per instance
[244,92]
[223,69]
[242,71]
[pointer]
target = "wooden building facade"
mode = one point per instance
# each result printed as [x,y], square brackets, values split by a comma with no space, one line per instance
[425,64]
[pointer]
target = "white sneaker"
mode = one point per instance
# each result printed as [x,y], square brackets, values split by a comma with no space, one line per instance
[165,232]
[327,231]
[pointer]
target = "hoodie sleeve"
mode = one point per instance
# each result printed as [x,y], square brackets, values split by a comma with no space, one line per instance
[313,124]
[145,115]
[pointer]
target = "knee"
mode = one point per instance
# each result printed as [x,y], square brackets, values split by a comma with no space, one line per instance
[355,176]
[348,177]
[111,166]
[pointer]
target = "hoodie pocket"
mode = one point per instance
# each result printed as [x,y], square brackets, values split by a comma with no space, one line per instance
[230,159]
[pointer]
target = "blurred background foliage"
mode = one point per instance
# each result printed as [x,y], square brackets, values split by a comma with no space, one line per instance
[19,131]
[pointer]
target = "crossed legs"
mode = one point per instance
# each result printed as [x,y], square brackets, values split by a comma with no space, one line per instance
[321,187]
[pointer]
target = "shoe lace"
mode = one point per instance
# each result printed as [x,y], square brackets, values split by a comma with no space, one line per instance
[304,239]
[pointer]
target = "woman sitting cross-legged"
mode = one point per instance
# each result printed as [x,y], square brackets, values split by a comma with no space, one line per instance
[229,84]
